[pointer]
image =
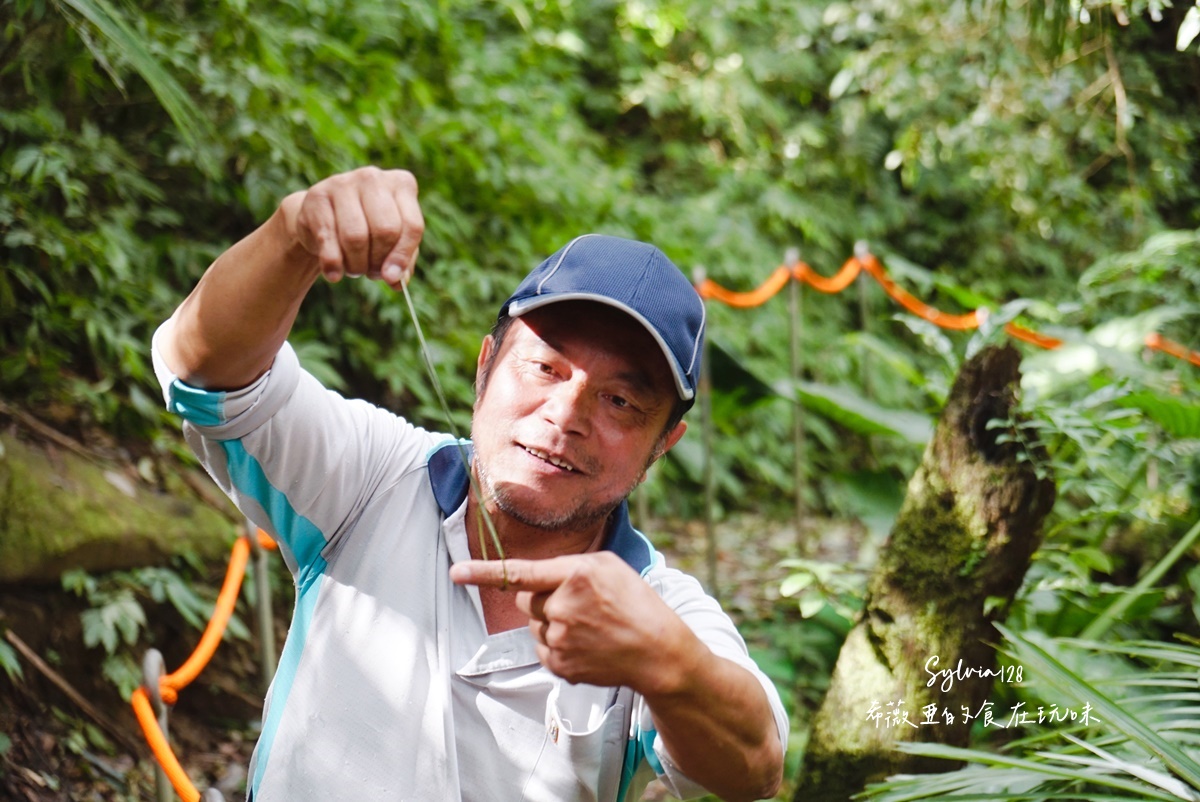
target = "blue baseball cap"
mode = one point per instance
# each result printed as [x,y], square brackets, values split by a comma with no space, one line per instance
[632,276]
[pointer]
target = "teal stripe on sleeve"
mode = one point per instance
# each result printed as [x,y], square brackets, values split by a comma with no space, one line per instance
[633,759]
[300,534]
[201,407]
[306,542]
[285,675]
[647,738]
[638,748]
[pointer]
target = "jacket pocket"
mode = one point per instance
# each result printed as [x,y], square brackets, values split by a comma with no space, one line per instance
[584,750]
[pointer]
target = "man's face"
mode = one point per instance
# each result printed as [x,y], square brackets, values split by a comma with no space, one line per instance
[570,415]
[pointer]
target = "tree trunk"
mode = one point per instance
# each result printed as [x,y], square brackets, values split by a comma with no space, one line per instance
[60,509]
[970,522]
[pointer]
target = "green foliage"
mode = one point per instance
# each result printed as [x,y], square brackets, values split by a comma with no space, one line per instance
[167,585]
[10,663]
[861,416]
[1177,418]
[817,584]
[140,140]
[1114,612]
[117,33]
[1118,425]
[1040,164]
[116,616]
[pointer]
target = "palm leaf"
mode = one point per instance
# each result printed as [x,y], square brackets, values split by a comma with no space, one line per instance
[1176,416]
[1107,760]
[1102,622]
[1016,769]
[1040,766]
[1060,678]
[1151,650]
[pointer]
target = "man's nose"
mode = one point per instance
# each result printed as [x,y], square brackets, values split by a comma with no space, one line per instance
[570,406]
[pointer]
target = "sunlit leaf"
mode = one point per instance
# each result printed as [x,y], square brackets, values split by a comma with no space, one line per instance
[811,603]
[12,667]
[1188,29]
[795,583]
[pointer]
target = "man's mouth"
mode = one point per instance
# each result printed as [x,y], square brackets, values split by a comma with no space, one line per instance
[553,460]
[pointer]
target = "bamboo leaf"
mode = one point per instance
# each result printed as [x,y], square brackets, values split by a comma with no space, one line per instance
[192,124]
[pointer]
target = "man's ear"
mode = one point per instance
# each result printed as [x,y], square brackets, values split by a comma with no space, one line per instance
[672,438]
[664,445]
[485,351]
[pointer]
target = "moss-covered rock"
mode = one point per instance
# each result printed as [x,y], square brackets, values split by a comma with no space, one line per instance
[59,510]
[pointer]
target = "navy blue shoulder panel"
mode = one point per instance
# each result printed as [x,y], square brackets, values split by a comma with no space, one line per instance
[449,478]
[448,474]
[626,542]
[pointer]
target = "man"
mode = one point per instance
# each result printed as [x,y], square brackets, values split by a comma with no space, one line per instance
[418,667]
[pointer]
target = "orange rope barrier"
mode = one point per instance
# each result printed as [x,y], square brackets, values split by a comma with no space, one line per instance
[744,300]
[1158,342]
[832,285]
[183,676]
[912,304]
[1032,337]
[854,265]
[161,749]
[169,685]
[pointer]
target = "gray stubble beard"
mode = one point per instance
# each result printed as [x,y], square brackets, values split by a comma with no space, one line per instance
[579,519]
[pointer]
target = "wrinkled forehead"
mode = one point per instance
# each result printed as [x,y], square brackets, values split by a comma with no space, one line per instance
[588,328]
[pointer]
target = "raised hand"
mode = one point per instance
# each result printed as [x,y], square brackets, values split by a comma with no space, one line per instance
[366,222]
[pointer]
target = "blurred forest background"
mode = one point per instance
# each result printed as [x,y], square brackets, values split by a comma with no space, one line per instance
[1040,159]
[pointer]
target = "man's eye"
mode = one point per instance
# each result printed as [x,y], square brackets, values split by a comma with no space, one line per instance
[618,401]
[544,368]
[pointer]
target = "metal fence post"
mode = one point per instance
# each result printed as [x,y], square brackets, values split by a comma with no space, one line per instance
[153,670]
[791,259]
[861,251]
[262,604]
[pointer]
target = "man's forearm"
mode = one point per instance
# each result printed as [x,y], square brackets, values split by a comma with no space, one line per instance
[717,724]
[227,332]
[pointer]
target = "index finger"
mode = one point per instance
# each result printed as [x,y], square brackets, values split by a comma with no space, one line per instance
[534,575]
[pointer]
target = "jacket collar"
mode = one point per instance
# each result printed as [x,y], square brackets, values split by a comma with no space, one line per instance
[450,480]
